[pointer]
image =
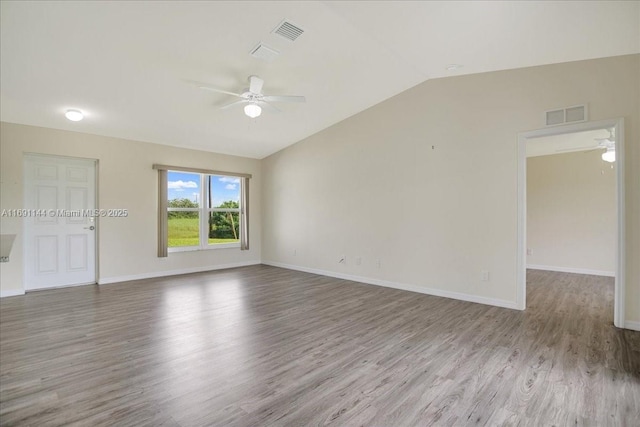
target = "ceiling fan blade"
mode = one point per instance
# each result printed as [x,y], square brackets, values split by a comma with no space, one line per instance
[213,89]
[269,107]
[606,142]
[255,84]
[242,101]
[588,147]
[284,98]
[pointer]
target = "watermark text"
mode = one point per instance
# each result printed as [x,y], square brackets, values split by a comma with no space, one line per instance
[65,213]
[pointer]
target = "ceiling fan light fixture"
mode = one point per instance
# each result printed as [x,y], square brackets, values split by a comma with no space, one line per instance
[609,155]
[252,110]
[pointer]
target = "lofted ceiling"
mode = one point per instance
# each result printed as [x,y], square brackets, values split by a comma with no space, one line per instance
[128,65]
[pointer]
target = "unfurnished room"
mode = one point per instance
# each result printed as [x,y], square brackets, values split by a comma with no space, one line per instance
[303,213]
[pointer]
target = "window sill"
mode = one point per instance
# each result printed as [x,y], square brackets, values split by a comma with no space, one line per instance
[199,248]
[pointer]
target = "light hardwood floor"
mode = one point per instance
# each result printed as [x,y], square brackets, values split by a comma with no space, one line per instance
[264,346]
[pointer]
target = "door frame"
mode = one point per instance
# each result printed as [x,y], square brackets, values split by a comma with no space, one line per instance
[96,164]
[523,137]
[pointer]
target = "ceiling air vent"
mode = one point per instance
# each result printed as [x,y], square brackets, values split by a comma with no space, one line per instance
[561,116]
[288,31]
[264,52]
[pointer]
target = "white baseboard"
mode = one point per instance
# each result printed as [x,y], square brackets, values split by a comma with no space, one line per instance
[573,270]
[12,293]
[634,326]
[152,275]
[402,286]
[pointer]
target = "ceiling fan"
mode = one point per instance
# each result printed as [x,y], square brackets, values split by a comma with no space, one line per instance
[609,144]
[253,97]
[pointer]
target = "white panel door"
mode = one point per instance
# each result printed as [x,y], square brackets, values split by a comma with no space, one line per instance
[60,230]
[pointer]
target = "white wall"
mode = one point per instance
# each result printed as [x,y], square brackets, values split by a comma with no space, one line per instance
[571,213]
[373,187]
[127,246]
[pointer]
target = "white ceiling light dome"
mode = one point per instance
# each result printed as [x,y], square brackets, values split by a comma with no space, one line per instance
[74,115]
[252,110]
[609,155]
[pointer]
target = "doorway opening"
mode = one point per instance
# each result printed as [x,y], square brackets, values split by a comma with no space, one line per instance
[565,139]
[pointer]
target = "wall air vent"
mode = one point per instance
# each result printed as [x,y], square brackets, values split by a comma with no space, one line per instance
[264,52]
[288,30]
[562,116]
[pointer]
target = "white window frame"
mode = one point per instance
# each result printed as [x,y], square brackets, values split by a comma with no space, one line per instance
[203,216]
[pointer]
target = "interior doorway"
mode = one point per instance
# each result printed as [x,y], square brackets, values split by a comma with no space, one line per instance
[60,221]
[568,144]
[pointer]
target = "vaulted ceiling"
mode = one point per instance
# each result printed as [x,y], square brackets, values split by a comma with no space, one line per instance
[129,65]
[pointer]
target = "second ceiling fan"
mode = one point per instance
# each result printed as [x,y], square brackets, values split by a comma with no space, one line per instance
[254,99]
[608,144]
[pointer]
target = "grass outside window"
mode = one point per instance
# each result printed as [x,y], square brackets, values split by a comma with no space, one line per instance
[185,232]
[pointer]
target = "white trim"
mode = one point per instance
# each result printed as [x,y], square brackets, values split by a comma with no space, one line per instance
[402,286]
[634,326]
[14,293]
[47,288]
[521,278]
[163,273]
[212,246]
[572,270]
[521,252]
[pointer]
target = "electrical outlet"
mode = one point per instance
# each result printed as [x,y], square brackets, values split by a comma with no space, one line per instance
[484,276]
[358,261]
[378,263]
[529,251]
[294,252]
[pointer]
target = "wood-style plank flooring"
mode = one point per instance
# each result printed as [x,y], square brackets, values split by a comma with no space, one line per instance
[264,346]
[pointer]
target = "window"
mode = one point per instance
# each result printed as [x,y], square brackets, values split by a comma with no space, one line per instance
[201,210]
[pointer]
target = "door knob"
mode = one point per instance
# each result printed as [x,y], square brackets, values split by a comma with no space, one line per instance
[90,228]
